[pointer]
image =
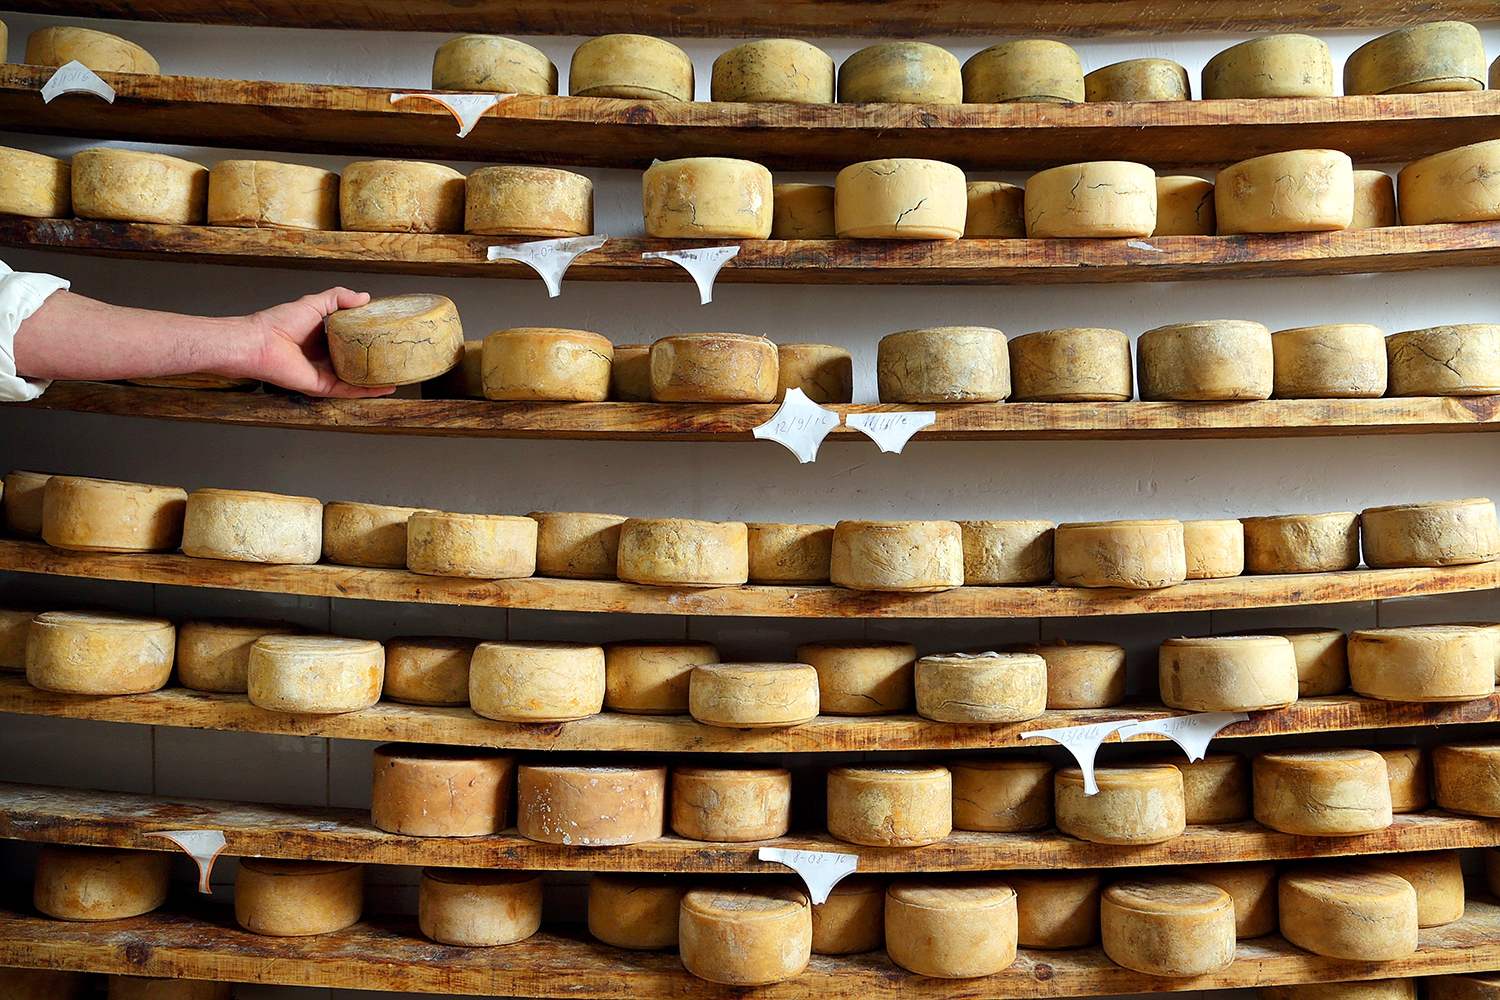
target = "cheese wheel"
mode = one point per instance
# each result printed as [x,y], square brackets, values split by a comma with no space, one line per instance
[898,556]
[1270,66]
[1439,533]
[1138,555]
[542,363]
[981,687]
[477,546]
[245,526]
[1214,549]
[1374,200]
[1167,926]
[98,50]
[851,920]
[1423,59]
[142,988]
[1451,186]
[130,186]
[1238,673]
[1073,364]
[577,546]
[1484,986]
[1436,875]
[214,655]
[103,515]
[1080,674]
[1466,778]
[476,908]
[15,624]
[1105,198]
[44,984]
[34,185]
[1135,804]
[753,695]
[997,210]
[789,553]
[1331,792]
[315,674]
[1056,909]
[1301,543]
[590,806]
[1001,794]
[1491,627]
[1300,191]
[731,806]
[652,678]
[1185,207]
[1370,989]
[1461,360]
[861,678]
[630,373]
[1350,912]
[427,670]
[99,883]
[528,201]
[1212,359]
[1407,768]
[1215,788]
[1005,552]
[22,496]
[1252,886]
[703,197]
[264,194]
[1322,659]
[492,64]
[433,791]
[890,806]
[900,199]
[78,652]
[802,212]
[365,534]
[901,73]
[824,373]
[943,364]
[745,937]
[781,70]
[637,67]
[536,681]
[399,340]
[1330,361]
[677,552]
[1138,80]
[1032,70]
[713,368]
[401,196]
[636,910]
[297,898]
[951,929]
[464,380]
[1422,663]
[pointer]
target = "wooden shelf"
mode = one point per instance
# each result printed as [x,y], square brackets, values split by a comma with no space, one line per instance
[579,131]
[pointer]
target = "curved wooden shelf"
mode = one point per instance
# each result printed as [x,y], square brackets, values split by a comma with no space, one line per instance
[581,131]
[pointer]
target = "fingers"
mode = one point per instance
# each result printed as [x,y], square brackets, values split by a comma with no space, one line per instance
[333,299]
[343,390]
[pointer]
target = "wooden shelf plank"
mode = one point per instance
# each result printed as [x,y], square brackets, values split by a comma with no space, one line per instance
[357,121]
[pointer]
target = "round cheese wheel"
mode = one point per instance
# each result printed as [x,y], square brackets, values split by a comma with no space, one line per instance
[1466,778]
[1105,198]
[636,911]
[1270,66]
[1301,543]
[245,526]
[1374,200]
[477,908]
[1476,987]
[214,655]
[1080,674]
[731,806]
[1215,788]
[1136,804]
[1322,659]
[79,652]
[1212,359]
[264,194]
[997,210]
[851,920]
[98,50]
[899,556]
[1369,989]
[1461,360]
[1407,768]
[297,898]
[1056,909]
[1237,673]
[1185,207]
[477,546]
[401,196]
[890,806]
[492,64]
[399,340]
[1439,533]
[15,625]
[1167,926]
[577,546]
[1074,364]
[1001,794]
[1006,552]
[981,687]
[1423,59]
[824,373]
[1252,886]
[1436,875]
[789,553]
[677,552]
[142,988]
[99,883]
[1139,555]
[103,515]
[528,201]
[464,380]
[315,674]
[901,73]
[636,67]
[652,678]
[713,368]
[630,373]
[900,199]
[1350,912]
[1032,70]
[745,937]
[44,984]
[1214,549]
[781,70]
[1422,663]
[536,681]
[597,806]
[753,695]
[130,186]
[34,185]
[1300,191]
[1491,627]
[1330,792]
[861,678]
[944,364]
[1331,361]
[365,534]
[1451,186]
[951,929]
[543,363]
[703,197]
[431,791]
[802,212]
[1138,80]
[427,670]
[23,496]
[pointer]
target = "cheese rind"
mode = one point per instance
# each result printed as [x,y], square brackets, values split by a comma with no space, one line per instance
[789,553]
[1244,673]
[1451,186]
[492,64]
[398,340]
[543,363]
[637,67]
[577,546]
[678,552]
[365,534]
[1006,552]
[77,652]
[23,496]
[1437,876]
[1056,909]
[1252,886]
[802,211]
[1330,361]
[652,678]
[1462,360]
[33,185]
[897,556]
[1331,792]
[1103,198]
[779,70]
[1212,359]
[731,806]
[951,930]
[635,910]
[1466,778]
[890,806]
[590,806]
[901,73]
[745,937]
[1438,533]
[536,681]
[1374,200]
[464,380]
[997,210]
[1214,549]
[99,883]
[1301,543]
[265,194]
[427,670]
[125,185]
[1032,70]
[1137,804]
[707,197]
[851,920]
[713,368]
[824,373]
[981,688]
[1422,663]
[1001,794]
[1215,788]
[1299,191]
[1138,555]
[315,674]
[1422,59]
[401,196]
[861,678]
[1166,926]
[1370,989]
[297,898]
[477,908]
[1185,207]
[104,515]
[753,695]
[943,364]
[1074,364]
[1408,768]
[1270,66]
[630,373]
[15,623]
[1080,674]
[1138,80]
[1483,986]
[246,526]
[430,791]
[1322,659]
[1350,912]
[477,546]
[901,198]
[528,201]
[101,52]
[215,655]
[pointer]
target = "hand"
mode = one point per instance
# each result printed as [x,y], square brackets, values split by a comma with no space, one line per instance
[288,347]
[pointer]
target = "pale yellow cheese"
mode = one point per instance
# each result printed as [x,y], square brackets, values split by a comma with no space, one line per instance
[1138,555]
[529,201]
[398,340]
[1104,198]
[981,687]
[536,681]
[1299,191]
[1162,925]
[464,380]
[1437,533]
[1408,768]
[214,655]
[951,930]
[246,526]
[1241,673]
[99,883]
[802,211]
[297,898]
[492,64]
[1270,66]
[1135,804]
[637,67]
[1466,778]
[23,498]
[1215,788]
[365,534]
[1056,909]
[1214,549]
[428,670]
[746,936]
[1330,361]
[597,806]
[1422,59]
[1138,80]
[1006,552]
[781,70]
[1369,989]
[1374,200]
[104,515]
[824,373]
[98,50]
[264,194]
[1483,986]
[897,556]
[1330,792]
[731,805]
[1032,70]
[890,806]
[15,624]
[34,185]
[997,210]
[901,73]
[1001,794]
[678,552]
[707,197]
[636,910]
[1301,543]
[401,196]
[142,988]
[477,908]
[1452,186]
[943,364]
[652,678]
[543,363]
[432,791]
[1349,912]
[577,546]
[125,185]
[1462,360]
[1080,674]
[900,199]
[1322,659]
[1185,207]
[1211,359]
[851,920]
[861,678]
[1492,627]
[1252,886]
[315,674]
[753,695]
[713,368]
[1422,663]
[79,652]
[630,373]
[789,553]
[1436,875]
[477,546]
[1073,364]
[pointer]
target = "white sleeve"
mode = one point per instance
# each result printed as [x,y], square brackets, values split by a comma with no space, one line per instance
[21,294]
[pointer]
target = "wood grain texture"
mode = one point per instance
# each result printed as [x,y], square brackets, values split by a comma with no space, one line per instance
[253,114]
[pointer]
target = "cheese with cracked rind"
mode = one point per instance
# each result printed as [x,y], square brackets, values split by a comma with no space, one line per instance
[1301,543]
[492,64]
[678,552]
[1072,364]
[1298,191]
[1270,66]
[1329,361]
[265,194]
[901,73]
[802,211]
[1349,912]
[530,363]
[35,186]
[1408,768]
[1322,658]
[861,678]
[1330,792]
[851,920]
[1001,794]
[1422,59]
[464,380]
[23,496]
[315,674]
[1102,198]
[890,806]
[99,883]
[823,372]
[635,67]
[1374,200]
[997,210]
[536,681]
[78,652]
[957,929]
[100,51]
[1080,674]
[365,534]
[477,546]
[478,908]
[630,373]
[779,70]
[577,546]
[1185,207]
[1030,70]
[401,196]
[943,364]
[1215,788]
[105,515]
[997,553]
[897,556]
[1436,875]
[714,368]
[397,340]
[1138,555]
[789,553]
[1466,778]
[435,791]
[1422,663]
[214,655]
[1455,185]
[731,805]
[598,806]
[981,687]
[753,695]
[1252,886]
[428,670]
[1462,360]
[635,910]
[126,185]
[1135,804]
[247,526]
[900,198]
[1436,533]
[652,678]
[1214,549]
[707,197]
[744,936]
[1167,926]
[1138,80]
[1237,673]
[1210,359]
[1056,909]
[543,202]
[297,898]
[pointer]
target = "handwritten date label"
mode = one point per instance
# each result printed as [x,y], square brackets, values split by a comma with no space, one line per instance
[203,846]
[820,870]
[1083,743]
[1191,732]
[467,108]
[891,430]
[549,258]
[76,78]
[799,425]
[702,263]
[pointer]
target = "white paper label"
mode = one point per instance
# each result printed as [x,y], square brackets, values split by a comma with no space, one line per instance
[76,78]
[1138,245]
[702,263]
[549,258]
[820,870]
[1191,732]
[203,846]
[891,430]
[467,108]
[799,424]
[1083,743]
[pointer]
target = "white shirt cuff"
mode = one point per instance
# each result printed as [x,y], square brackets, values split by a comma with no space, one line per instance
[21,294]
